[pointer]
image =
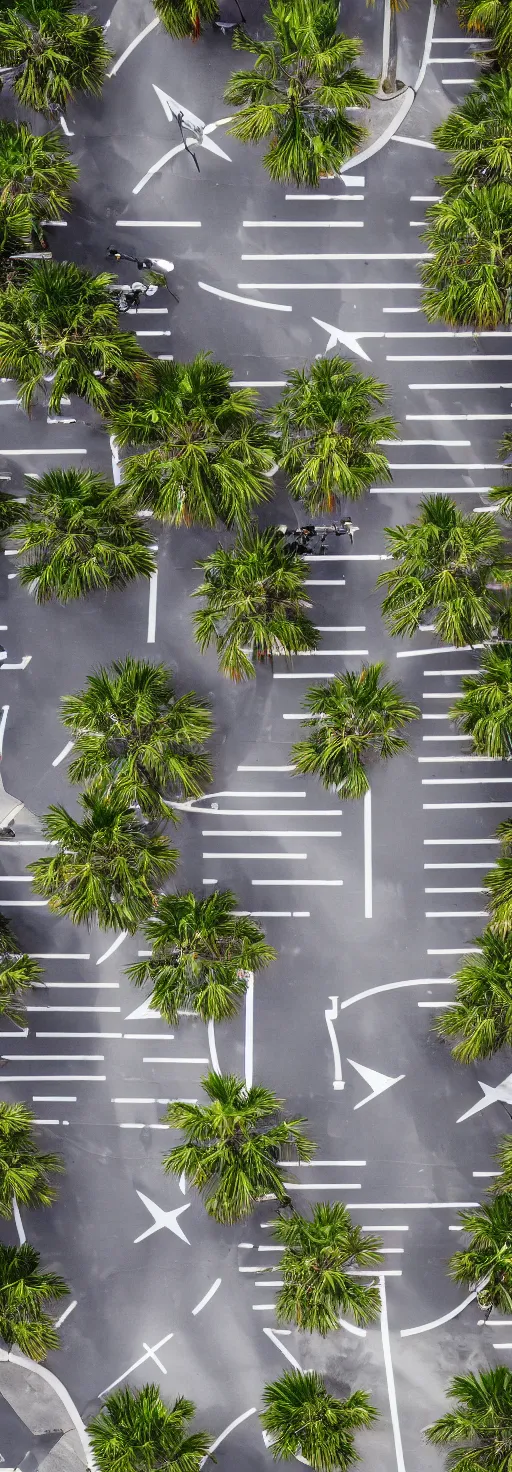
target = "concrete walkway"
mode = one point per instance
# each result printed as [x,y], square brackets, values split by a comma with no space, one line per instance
[39,1430]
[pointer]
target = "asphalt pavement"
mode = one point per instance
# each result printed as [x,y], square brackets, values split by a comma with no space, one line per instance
[369,905]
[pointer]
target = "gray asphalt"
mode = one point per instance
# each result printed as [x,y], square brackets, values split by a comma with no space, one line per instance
[98,1084]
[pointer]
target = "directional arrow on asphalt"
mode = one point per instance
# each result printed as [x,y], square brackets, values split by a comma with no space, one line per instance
[378,1082]
[172,108]
[501,1094]
[163,1219]
[347,339]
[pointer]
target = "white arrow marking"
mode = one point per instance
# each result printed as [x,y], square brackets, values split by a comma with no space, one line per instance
[26,657]
[144,1010]
[378,1082]
[330,1017]
[172,108]
[501,1094]
[348,340]
[183,1183]
[162,1219]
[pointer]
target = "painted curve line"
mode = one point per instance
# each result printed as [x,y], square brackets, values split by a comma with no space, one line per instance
[434,1323]
[213,1047]
[282,1347]
[330,1017]
[392,986]
[203,1301]
[136,42]
[227,1429]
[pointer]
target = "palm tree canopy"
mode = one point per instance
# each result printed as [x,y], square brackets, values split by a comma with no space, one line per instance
[502,495]
[255,595]
[498,883]
[489,18]
[486,1263]
[478,134]
[135,1431]
[208,451]
[61,320]
[106,867]
[443,565]
[303,79]
[184,17]
[329,439]
[35,172]
[54,51]
[319,1253]
[480,1426]
[481,1012]
[130,728]
[468,281]
[24,1294]
[24,1170]
[302,1418]
[502,1183]
[233,1145]
[484,710]
[355,715]
[76,533]
[201,952]
[18,974]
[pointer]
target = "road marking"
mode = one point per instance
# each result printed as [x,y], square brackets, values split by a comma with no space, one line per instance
[247,301]
[479,358]
[302,225]
[390,1379]
[67,1311]
[392,986]
[208,1295]
[47,1078]
[114,947]
[30,452]
[54,1098]
[227,1429]
[434,1323]
[368,877]
[330,1018]
[346,286]
[65,752]
[454,418]
[161,1218]
[163,224]
[270,1335]
[176,1060]
[311,882]
[336,256]
[249,1029]
[153,590]
[456,386]
[125,54]
[378,1082]
[149,1355]
[318,198]
[266,833]
[418,142]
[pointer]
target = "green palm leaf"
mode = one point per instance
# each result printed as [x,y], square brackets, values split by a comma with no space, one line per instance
[486,1263]
[352,717]
[130,728]
[479,1428]
[233,1146]
[296,97]
[303,1419]
[76,532]
[36,173]
[329,437]
[481,1012]
[201,952]
[135,1431]
[209,454]
[24,1170]
[489,18]
[185,17]
[319,1255]
[25,1293]
[484,710]
[498,883]
[59,322]
[478,134]
[468,281]
[444,564]
[255,601]
[107,868]
[52,52]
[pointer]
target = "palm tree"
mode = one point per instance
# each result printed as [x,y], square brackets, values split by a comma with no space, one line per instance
[468,279]
[51,52]
[499,883]
[303,79]
[233,1146]
[201,952]
[502,495]
[76,533]
[135,1431]
[480,1427]
[302,1419]
[130,728]
[484,710]
[24,1295]
[353,716]
[319,1253]
[106,868]
[59,322]
[478,134]
[502,1185]
[24,1170]
[481,1012]
[208,452]
[489,18]
[185,17]
[444,563]
[35,173]
[486,1263]
[18,974]
[255,597]
[329,439]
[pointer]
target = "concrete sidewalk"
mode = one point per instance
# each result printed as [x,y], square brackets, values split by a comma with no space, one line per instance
[38,1429]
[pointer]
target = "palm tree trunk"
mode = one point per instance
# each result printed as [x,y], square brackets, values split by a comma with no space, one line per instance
[389,80]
